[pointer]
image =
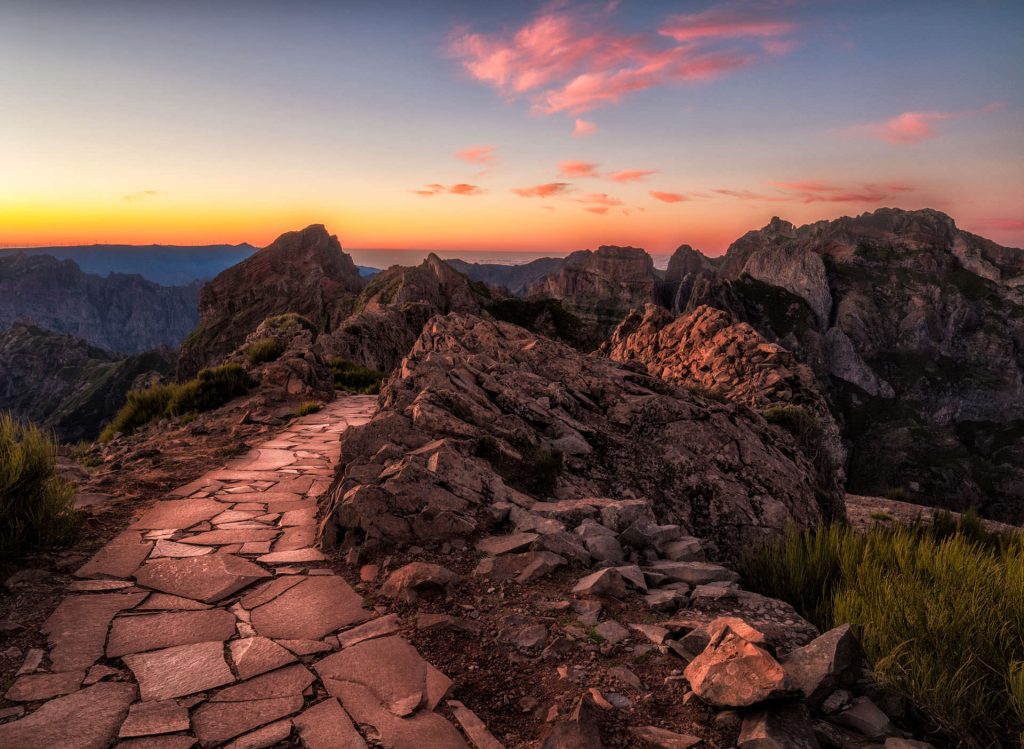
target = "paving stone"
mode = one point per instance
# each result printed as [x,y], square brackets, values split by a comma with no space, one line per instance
[306,647]
[327,726]
[280,683]
[158,742]
[216,722]
[304,516]
[233,516]
[149,718]
[86,719]
[290,557]
[256,655]
[119,558]
[423,730]
[181,670]
[240,536]
[313,608]
[268,591]
[262,738]
[98,673]
[255,547]
[96,586]
[32,687]
[263,459]
[136,634]
[392,670]
[166,548]
[474,727]
[296,537]
[385,625]
[33,660]
[208,578]
[164,601]
[77,629]
[178,513]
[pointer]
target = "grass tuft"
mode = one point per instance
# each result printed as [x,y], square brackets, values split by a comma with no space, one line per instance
[309,407]
[264,350]
[355,378]
[37,507]
[211,389]
[942,612]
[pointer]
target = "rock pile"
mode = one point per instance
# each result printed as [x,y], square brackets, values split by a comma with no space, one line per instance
[484,420]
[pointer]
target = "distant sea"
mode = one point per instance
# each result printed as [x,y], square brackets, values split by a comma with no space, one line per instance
[386,258]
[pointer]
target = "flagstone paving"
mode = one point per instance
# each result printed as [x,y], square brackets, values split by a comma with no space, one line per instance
[212,621]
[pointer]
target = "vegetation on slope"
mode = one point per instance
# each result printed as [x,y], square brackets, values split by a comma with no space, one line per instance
[211,389]
[264,350]
[36,506]
[355,378]
[941,608]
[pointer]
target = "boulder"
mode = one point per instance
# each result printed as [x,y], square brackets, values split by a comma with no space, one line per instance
[823,665]
[778,728]
[732,671]
[408,583]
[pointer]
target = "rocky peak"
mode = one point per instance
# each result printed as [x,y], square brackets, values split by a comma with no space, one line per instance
[686,261]
[602,286]
[305,272]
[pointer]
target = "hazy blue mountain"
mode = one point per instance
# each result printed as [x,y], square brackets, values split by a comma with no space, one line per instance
[168,265]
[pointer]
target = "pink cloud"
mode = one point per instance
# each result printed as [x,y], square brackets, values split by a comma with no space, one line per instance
[600,198]
[631,175]
[577,169]
[572,59]
[482,154]
[815,191]
[583,128]
[543,191]
[599,210]
[910,128]
[667,197]
[1005,224]
[729,21]
[460,188]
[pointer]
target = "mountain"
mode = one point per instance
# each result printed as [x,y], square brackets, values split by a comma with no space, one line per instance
[65,384]
[395,305]
[304,272]
[124,313]
[915,330]
[601,286]
[168,265]
[516,279]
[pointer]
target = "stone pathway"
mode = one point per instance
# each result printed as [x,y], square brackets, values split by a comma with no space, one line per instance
[213,620]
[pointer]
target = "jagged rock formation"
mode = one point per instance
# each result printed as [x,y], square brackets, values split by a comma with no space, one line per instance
[304,272]
[709,350]
[515,279]
[601,286]
[124,313]
[393,308]
[484,415]
[688,271]
[296,366]
[62,383]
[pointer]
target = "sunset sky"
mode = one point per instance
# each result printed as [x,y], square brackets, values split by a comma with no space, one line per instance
[527,126]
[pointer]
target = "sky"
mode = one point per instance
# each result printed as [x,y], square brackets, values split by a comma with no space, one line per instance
[544,126]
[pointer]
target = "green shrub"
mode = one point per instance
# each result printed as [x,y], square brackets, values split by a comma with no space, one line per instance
[289,318]
[355,378]
[264,350]
[81,453]
[309,407]
[942,615]
[37,507]
[897,493]
[211,389]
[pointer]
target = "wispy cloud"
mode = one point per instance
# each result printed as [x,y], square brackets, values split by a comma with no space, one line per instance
[583,128]
[600,198]
[460,188]
[600,210]
[574,59]
[543,191]
[1005,224]
[577,169]
[910,128]
[668,197]
[135,197]
[631,175]
[482,154]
